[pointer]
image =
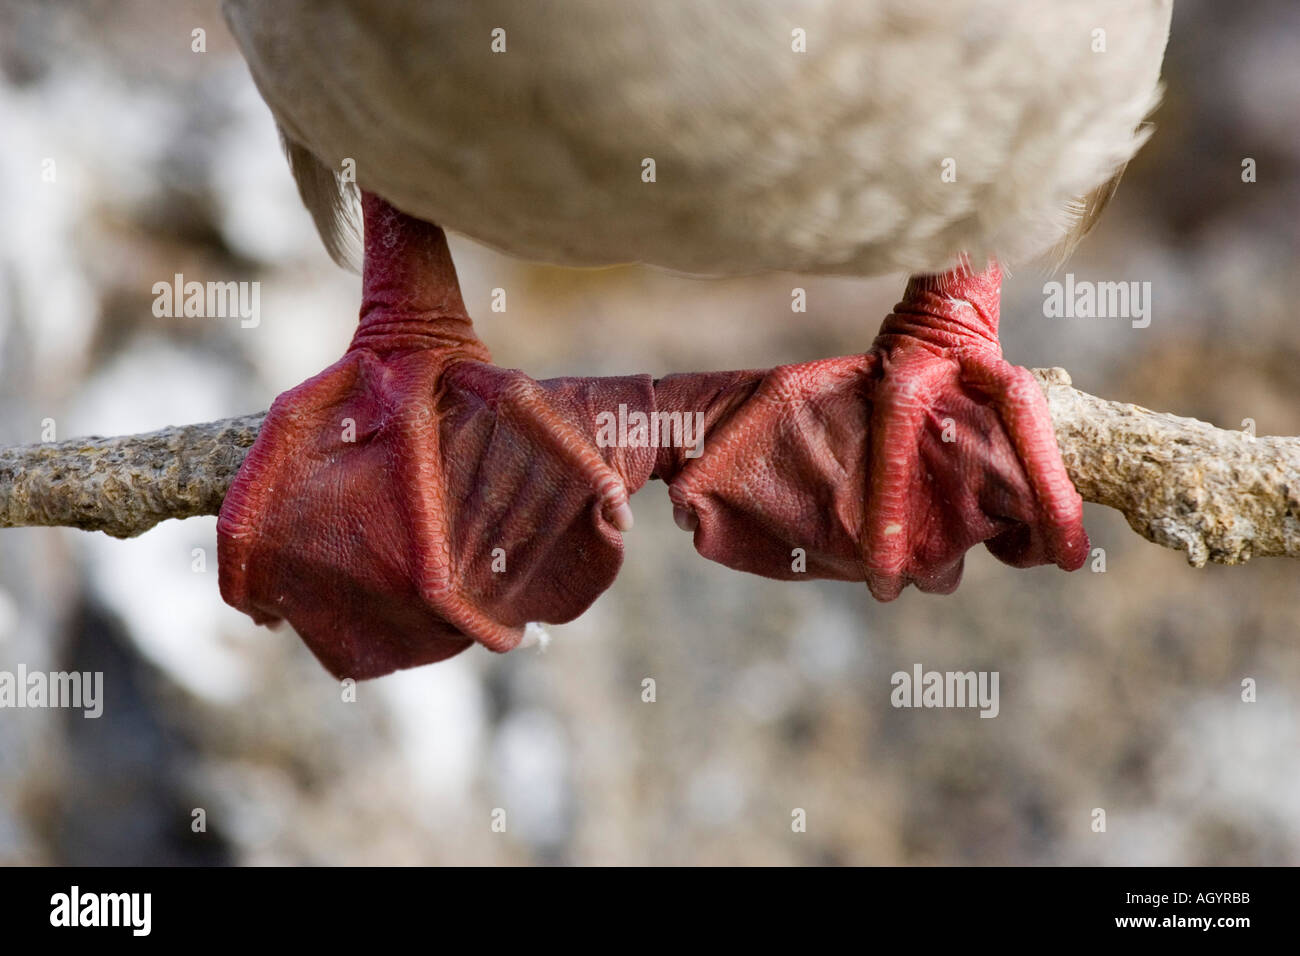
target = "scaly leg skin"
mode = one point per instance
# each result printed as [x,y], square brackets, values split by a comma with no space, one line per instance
[885,467]
[413,498]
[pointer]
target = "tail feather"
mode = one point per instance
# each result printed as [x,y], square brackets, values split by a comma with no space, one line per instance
[334,203]
[1086,210]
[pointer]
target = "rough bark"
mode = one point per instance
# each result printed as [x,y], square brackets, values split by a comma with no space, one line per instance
[1222,496]
[124,486]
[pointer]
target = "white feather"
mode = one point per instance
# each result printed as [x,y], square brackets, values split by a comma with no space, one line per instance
[827,161]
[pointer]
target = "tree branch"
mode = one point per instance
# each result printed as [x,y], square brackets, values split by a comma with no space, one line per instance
[124,486]
[1221,496]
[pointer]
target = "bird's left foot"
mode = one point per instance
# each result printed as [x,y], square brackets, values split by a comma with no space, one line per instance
[885,467]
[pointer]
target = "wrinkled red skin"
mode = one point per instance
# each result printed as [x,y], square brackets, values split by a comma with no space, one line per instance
[885,467]
[413,498]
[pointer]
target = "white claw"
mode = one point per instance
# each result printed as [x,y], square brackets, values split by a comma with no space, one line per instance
[535,636]
[685,518]
[622,517]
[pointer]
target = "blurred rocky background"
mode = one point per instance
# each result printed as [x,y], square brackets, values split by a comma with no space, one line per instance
[1119,690]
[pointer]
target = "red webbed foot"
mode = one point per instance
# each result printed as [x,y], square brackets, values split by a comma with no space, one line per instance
[885,467]
[413,498]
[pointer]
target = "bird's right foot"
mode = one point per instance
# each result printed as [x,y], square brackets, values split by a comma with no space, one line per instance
[414,498]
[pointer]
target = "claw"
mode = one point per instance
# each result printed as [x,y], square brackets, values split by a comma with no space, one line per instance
[621,515]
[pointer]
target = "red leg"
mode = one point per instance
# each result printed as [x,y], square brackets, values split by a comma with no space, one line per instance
[413,498]
[885,467]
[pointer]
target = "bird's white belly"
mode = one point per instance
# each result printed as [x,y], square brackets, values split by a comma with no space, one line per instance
[908,132]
